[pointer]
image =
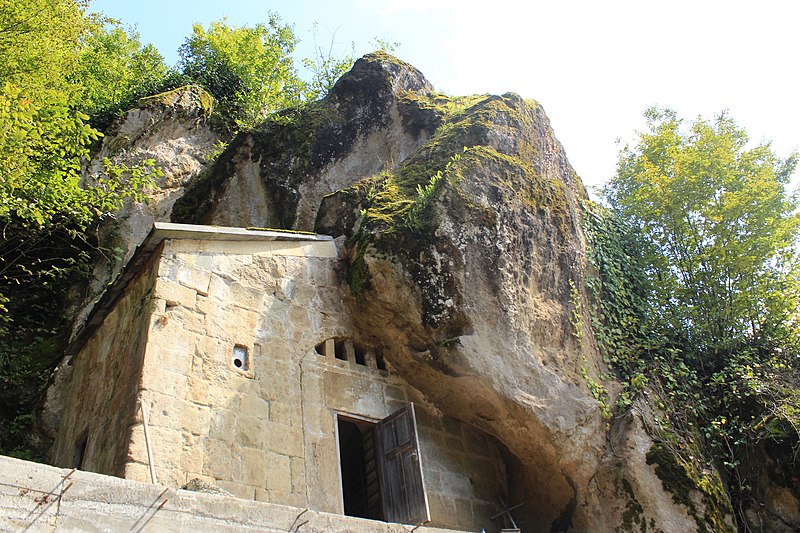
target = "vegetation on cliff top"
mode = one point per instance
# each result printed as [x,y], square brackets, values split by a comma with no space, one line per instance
[697,298]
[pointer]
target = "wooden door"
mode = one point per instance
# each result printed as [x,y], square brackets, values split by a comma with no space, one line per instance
[400,469]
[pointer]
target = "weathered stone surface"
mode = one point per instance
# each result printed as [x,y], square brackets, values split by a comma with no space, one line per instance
[199,485]
[173,130]
[459,265]
[267,431]
[276,175]
[470,297]
[40,498]
[774,475]
[473,306]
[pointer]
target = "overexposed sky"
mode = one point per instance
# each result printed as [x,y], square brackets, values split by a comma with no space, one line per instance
[594,66]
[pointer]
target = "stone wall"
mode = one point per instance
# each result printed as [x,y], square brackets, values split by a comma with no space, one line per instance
[267,430]
[464,470]
[40,498]
[103,384]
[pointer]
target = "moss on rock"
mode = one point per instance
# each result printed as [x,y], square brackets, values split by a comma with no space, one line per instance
[187,96]
[293,146]
[683,476]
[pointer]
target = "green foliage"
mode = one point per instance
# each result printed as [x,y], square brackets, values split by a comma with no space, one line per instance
[717,228]
[325,67]
[599,393]
[57,47]
[40,160]
[46,211]
[38,43]
[427,192]
[248,70]
[696,297]
[114,69]
[45,215]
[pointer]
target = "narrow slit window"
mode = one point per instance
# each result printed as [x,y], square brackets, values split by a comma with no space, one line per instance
[360,354]
[379,361]
[339,349]
[240,359]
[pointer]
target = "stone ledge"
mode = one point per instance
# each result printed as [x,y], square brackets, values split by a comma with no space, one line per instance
[36,497]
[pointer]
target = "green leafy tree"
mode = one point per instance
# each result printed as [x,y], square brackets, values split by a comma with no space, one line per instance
[248,70]
[113,69]
[716,234]
[718,229]
[39,40]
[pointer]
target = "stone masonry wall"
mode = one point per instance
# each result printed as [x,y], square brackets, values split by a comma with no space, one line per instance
[463,468]
[267,431]
[104,383]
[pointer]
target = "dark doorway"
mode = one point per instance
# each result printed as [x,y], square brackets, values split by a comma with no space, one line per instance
[358,462]
[80,452]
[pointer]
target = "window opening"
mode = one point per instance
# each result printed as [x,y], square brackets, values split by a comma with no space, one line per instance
[339,349]
[361,356]
[240,359]
[347,349]
[379,361]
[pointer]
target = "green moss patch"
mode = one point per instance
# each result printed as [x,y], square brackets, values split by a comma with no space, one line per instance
[682,476]
[201,98]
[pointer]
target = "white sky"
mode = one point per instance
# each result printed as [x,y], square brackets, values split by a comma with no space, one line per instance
[594,66]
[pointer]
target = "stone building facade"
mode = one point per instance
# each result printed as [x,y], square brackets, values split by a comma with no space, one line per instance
[229,355]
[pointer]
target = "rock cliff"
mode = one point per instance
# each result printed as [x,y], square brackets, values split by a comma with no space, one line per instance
[459,223]
[173,130]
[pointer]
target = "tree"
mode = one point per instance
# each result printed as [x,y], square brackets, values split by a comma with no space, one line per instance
[46,213]
[718,230]
[39,40]
[325,67]
[248,70]
[113,69]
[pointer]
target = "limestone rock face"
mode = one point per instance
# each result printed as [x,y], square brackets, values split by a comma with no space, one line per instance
[472,299]
[465,263]
[776,480]
[173,130]
[276,175]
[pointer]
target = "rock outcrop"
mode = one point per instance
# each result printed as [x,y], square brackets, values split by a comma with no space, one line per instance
[173,130]
[459,225]
[277,174]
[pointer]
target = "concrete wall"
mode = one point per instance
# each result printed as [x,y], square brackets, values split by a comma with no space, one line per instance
[103,387]
[40,498]
[268,432]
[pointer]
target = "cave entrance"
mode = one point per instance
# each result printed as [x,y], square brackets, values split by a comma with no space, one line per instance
[381,470]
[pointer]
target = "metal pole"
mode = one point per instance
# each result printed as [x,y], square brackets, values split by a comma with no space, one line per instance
[147,446]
